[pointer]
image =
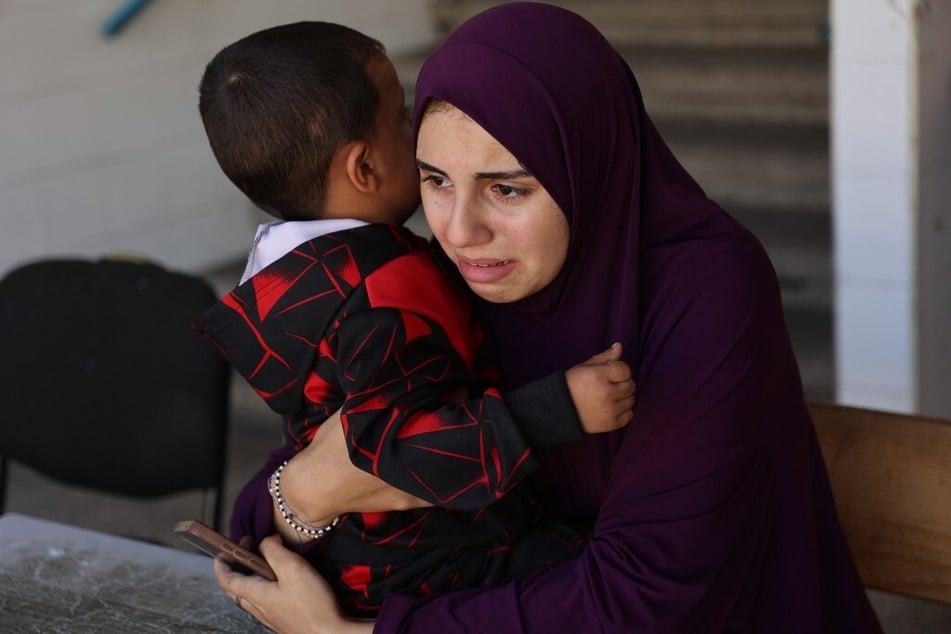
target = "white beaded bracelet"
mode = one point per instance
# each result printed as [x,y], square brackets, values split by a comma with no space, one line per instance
[294,520]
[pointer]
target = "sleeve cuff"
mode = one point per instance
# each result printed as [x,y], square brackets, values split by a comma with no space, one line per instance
[545,413]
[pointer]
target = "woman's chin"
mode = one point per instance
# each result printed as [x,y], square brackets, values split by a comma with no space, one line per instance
[497,293]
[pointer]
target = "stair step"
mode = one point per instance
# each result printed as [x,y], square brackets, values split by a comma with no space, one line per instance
[811,331]
[733,85]
[763,177]
[799,244]
[691,85]
[755,167]
[724,23]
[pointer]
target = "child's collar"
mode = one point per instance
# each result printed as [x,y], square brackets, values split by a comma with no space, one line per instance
[275,239]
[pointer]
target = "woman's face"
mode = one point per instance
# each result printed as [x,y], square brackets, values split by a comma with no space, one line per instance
[492,218]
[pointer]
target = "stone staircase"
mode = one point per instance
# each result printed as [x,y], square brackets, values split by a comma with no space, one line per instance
[739,89]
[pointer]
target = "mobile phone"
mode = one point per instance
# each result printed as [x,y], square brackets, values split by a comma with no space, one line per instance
[217,545]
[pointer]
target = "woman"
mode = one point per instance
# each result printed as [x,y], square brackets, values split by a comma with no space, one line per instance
[548,187]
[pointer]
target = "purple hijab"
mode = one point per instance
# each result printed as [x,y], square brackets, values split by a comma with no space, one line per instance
[712,510]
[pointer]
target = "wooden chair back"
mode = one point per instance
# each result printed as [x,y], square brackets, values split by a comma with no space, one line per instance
[891,478]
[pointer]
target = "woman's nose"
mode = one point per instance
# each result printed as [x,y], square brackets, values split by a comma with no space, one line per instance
[466,226]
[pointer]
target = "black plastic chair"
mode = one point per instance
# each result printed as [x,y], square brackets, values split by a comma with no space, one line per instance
[104,383]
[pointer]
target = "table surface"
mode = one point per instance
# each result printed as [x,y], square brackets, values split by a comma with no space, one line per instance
[59,578]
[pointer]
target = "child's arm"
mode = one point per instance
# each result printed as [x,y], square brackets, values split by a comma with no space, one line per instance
[594,396]
[400,373]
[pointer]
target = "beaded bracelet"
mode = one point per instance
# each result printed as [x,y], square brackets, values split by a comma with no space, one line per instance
[295,521]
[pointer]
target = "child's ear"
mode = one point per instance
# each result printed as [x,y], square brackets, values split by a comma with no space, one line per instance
[359,167]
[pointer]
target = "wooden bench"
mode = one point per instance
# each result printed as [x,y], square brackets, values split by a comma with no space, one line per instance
[891,478]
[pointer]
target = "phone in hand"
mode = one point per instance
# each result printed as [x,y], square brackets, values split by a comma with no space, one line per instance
[217,545]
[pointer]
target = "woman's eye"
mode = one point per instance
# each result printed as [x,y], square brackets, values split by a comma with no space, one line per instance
[435,181]
[508,191]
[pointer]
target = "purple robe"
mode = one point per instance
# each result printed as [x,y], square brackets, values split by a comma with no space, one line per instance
[712,511]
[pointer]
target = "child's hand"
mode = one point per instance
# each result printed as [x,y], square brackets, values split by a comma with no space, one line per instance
[603,391]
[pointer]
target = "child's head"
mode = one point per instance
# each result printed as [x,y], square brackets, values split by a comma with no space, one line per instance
[288,109]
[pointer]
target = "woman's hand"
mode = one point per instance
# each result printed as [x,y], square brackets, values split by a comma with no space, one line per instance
[320,482]
[299,601]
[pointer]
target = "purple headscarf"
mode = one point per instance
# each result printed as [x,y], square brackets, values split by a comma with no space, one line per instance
[577,122]
[712,510]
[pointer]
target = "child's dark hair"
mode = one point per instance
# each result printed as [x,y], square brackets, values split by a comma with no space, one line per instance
[279,103]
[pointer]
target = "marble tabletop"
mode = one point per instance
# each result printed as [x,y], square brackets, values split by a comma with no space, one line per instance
[59,578]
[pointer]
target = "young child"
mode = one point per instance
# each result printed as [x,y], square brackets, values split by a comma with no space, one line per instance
[341,308]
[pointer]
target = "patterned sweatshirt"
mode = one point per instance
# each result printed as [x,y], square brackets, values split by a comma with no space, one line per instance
[364,321]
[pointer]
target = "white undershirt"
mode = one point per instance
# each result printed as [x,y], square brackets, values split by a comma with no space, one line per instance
[275,239]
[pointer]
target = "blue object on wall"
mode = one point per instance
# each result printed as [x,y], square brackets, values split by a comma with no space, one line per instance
[121,17]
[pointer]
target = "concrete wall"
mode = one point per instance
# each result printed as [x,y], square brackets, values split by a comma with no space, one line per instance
[891,71]
[933,199]
[101,146]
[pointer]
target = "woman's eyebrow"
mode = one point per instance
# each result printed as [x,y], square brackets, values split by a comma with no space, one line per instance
[519,173]
[426,167]
[522,173]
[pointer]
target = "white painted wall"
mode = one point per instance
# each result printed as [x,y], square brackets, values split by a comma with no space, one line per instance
[101,146]
[891,72]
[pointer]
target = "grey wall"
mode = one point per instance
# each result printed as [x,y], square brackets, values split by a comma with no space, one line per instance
[101,147]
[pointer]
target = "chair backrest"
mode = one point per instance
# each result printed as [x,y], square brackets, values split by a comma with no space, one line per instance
[105,385]
[891,478]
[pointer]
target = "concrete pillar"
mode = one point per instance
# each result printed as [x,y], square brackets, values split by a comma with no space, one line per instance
[933,198]
[891,134]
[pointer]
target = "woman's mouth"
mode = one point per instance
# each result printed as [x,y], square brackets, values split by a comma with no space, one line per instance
[484,270]
[499,263]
